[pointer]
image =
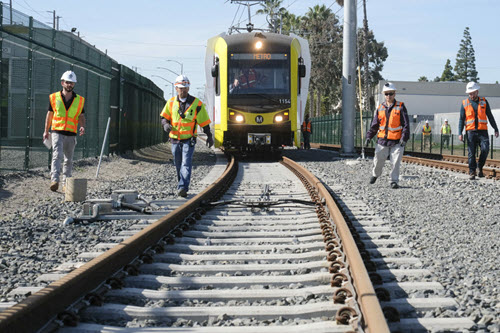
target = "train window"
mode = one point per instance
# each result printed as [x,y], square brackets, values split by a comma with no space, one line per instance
[259,73]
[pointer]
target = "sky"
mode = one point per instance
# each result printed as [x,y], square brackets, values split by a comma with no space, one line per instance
[420,35]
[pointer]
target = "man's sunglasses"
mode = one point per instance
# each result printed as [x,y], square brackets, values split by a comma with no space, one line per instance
[388,94]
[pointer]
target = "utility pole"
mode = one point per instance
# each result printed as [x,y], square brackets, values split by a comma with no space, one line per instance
[348,78]
[10,8]
[53,18]
[365,46]
[57,20]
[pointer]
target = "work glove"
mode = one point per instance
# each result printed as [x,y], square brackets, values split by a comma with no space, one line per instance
[167,127]
[367,142]
[210,141]
[402,142]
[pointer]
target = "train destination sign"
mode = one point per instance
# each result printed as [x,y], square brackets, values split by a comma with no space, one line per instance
[259,56]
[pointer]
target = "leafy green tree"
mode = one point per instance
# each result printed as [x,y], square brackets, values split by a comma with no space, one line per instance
[322,28]
[423,79]
[447,72]
[465,64]
[377,54]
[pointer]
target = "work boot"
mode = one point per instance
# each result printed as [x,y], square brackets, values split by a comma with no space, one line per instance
[481,174]
[394,185]
[373,180]
[472,175]
[54,186]
[182,193]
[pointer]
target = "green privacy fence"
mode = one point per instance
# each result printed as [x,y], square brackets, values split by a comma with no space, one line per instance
[33,57]
[328,130]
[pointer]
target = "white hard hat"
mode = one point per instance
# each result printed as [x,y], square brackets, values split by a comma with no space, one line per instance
[182,81]
[69,76]
[471,87]
[446,120]
[389,86]
[426,121]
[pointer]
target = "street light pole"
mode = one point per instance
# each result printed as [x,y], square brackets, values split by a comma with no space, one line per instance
[168,70]
[167,81]
[180,63]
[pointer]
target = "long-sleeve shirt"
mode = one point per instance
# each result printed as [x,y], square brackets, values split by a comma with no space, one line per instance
[461,122]
[405,123]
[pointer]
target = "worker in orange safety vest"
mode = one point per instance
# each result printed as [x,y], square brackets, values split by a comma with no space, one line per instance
[391,126]
[474,114]
[64,116]
[307,131]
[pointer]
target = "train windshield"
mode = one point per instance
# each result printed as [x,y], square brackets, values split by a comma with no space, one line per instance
[259,74]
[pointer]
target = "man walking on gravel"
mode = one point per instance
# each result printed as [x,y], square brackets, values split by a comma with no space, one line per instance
[63,117]
[474,115]
[391,125]
[180,118]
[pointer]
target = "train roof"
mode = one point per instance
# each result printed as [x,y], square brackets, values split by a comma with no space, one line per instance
[244,42]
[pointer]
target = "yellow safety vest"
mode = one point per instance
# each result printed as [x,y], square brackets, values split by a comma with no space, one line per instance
[185,128]
[65,120]
[446,129]
[426,130]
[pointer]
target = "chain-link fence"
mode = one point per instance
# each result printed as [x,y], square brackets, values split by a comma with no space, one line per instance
[33,57]
[328,130]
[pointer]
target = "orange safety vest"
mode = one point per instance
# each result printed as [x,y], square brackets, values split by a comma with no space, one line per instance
[426,130]
[391,130]
[65,120]
[306,127]
[185,128]
[470,118]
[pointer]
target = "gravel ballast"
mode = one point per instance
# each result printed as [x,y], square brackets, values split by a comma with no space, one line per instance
[33,239]
[452,224]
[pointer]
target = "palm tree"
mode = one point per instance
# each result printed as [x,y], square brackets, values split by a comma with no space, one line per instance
[272,8]
[291,22]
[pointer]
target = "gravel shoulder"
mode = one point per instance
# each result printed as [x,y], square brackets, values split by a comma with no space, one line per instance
[32,238]
[451,223]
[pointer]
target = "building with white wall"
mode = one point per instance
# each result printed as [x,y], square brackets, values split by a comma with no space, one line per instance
[429,98]
[436,101]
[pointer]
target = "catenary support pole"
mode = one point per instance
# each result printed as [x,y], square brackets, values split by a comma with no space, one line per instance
[103,145]
[348,78]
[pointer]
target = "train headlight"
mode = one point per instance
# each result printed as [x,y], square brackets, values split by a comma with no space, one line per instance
[236,117]
[281,117]
[258,45]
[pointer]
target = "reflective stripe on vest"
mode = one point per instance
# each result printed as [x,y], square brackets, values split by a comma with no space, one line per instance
[393,129]
[470,115]
[185,128]
[65,120]
[306,127]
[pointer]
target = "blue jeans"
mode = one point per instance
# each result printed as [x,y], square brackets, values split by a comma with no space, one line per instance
[473,139]
[183,157]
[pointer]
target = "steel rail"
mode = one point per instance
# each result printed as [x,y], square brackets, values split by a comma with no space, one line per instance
[449,162]
[37,310]
[373,317]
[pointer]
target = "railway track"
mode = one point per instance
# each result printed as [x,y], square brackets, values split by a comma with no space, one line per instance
[453,163]
[266,251]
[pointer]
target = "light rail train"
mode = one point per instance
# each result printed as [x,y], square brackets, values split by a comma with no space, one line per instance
[256,89]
